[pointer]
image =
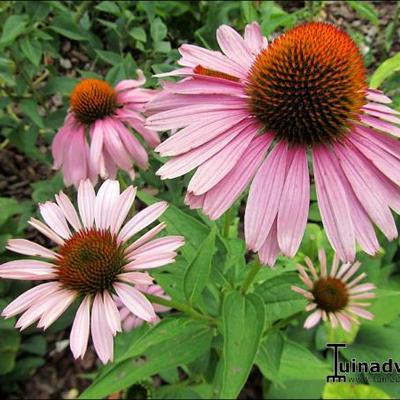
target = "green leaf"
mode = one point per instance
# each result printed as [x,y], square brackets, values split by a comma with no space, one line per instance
[385,70]
[365,10]
[67,27]
[32,49]
[30,109]
[12,28]
[178,350]
[248,11]
[10,340]
[299,363]
[7,361]
[45,190]
[352,391]
[10,207]
[109,57]
[280,300]
[162,47]
[269,355]
[110,7]
[385,307]
[63,85]
[158,30]
[243,320]
[198,270]
[36,344]
[138,34]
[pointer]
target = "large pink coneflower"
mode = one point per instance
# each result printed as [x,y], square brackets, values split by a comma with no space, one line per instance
[131,321]
[95,261]
[335,296]
[253,113]
[96,138]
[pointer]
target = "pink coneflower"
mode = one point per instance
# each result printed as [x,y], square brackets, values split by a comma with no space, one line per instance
[100,115]
[253,113]
[96,259]
[333,296]
[130,321]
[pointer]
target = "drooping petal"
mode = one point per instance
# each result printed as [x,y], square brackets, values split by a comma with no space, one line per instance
[333,204]
[79,336]
[313,319]
[101,332]
[135,301]
[111,313]
[294,204]
[269,251]
[131,83]
[264,197]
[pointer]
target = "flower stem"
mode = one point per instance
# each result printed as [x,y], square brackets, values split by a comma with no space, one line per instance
[250,277]
[227,223]
[181,307]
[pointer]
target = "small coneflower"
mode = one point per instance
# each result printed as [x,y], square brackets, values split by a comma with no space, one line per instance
[254,112]
[130,321]
[96,138]
[95,261]
[335,296]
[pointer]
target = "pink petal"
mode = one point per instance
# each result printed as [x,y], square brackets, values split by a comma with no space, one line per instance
[234,47]
[150,136]
[122,208]
[145,238]
[136,278]
[365,183]
[254,38]
[200,132]
[28,270]
[344,321]
[42,228]
[60,140]
[218,166]
[381,125]
[101,333]
[111,313]
[96,146]
[26,247]
[68,210]
[79,336]
[135,301]
[205,85]
[313,319]
[184,163]
[141,220]
[151,260]
[86,201]
[131,83]
[361,312]
[55,219]
[378,96]
[106,200]
[294,204]
[26,299]
[333,204]
[64,300]
[160,245]
[269,251]
[382,115]
[225,192]
[264,197]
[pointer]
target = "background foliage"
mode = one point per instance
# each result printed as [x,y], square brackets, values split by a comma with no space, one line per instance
[229,334]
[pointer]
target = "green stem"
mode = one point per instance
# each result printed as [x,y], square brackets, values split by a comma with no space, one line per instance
[81,10]
[181,307]
[227,222]
[250,277]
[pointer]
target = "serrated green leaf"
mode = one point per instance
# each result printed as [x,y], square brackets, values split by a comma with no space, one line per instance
[198,270]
